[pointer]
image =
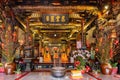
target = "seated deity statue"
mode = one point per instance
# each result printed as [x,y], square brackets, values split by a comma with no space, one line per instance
[64,57]
[47,57]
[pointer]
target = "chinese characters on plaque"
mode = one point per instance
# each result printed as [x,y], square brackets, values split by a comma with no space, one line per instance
[55,18]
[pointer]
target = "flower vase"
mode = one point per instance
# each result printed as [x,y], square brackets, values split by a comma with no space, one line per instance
[9,68]
[1,69]
[106,69]
[114,70]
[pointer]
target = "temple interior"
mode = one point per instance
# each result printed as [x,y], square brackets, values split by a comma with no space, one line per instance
[60,39]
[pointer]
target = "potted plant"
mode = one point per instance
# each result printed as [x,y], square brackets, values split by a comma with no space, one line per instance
[103,52]
[81,57]
[1,67]
[80,63]
[8,42]
[114,67]
[8,48]
[79,68]
[18,70]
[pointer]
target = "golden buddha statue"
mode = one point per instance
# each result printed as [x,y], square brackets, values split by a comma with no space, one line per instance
[47,57]
[64,57]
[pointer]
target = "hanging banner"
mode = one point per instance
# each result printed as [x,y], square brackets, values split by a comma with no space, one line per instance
[55,18]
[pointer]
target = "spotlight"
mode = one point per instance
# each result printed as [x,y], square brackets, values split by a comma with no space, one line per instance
[106,7]
[55,35]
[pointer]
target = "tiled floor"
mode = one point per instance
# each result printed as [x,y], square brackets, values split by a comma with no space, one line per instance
[3,76]
[48,76]
[108,77]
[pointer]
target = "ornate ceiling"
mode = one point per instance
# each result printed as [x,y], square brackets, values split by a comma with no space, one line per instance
[82,15]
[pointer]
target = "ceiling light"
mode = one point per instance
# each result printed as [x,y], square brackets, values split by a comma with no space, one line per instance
[106,7]
[55,35]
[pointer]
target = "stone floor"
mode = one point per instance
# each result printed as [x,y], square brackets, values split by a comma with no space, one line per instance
[3,76]
[48,76]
